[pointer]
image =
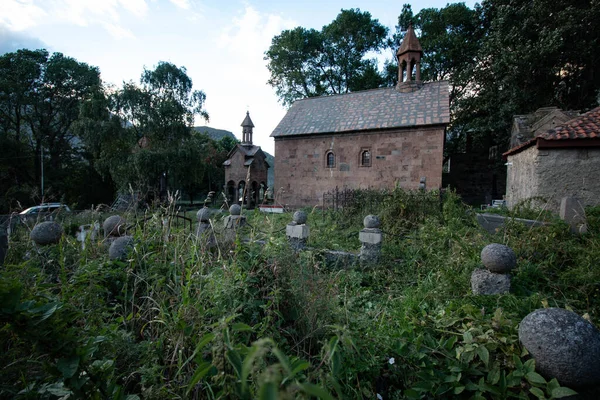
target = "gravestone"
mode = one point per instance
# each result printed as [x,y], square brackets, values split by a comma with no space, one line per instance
[297,231]
[371,239]
[486,282]
[114,226]
[233,222]
[46,233]
[85,231]
[564,345]
[573,213]
[205,231]
[120,248]
[498,260]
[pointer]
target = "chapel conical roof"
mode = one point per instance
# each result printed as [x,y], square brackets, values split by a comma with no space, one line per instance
[410,42]
[247,121]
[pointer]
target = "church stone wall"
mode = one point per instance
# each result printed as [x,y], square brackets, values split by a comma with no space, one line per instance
[551,174]
[398,157]
[237,171]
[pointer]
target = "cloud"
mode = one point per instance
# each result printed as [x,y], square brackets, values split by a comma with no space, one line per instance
[118,32]
[18,15]
[105,12]
[251,33]
[185,4]
[137,7]
[12,41]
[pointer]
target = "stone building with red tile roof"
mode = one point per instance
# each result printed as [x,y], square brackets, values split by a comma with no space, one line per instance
[246,162]
[558,162]
[375,138]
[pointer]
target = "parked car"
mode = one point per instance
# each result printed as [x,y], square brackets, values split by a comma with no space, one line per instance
[45,211]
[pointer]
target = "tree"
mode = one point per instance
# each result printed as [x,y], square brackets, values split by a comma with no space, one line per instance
[157,118]
[535,54]
[306,63]
[40,100]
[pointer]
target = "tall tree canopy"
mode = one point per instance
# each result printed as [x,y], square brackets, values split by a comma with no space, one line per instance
[534,54]
[507,57]
[306,62]
[156,139]
[40,100]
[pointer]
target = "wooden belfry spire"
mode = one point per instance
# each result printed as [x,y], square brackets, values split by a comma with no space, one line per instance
[247,126]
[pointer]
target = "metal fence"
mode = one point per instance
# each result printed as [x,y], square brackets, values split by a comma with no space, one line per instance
[366,199]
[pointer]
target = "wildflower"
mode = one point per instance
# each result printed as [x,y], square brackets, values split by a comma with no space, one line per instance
[392,361]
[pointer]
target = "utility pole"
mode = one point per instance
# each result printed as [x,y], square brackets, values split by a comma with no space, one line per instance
[42,168]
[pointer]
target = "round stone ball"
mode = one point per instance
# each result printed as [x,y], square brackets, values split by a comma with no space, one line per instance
[371,221]
[300,217]
[120,248]
[46,233]
[114,226]
[498,258]
[564,345]
[235,209]
[203,214]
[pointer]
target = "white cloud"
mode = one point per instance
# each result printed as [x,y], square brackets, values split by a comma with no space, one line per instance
[19,15]
[185,4]
[118,32]
[137,7]
[251,33]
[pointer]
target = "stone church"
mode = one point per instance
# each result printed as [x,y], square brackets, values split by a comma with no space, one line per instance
[375,138]
[246,163]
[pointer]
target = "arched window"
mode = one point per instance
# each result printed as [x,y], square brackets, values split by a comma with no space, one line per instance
[365,158]
[330,159]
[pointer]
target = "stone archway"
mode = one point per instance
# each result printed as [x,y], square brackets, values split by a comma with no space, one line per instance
[230,192]
[261,193]
[253,195]
[239,199]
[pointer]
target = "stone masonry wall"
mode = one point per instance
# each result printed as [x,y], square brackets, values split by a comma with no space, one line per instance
[237,172]
[553,174]
[397,157]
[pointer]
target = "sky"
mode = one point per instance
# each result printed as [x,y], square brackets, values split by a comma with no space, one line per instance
[220,43]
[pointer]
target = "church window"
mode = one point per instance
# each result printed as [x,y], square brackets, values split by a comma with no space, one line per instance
[330,159]
[365,158]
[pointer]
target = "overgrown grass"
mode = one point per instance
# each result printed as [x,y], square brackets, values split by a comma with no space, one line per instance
[255,320]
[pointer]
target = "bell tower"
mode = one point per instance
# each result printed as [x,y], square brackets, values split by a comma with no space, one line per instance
[409,60]
[247,126]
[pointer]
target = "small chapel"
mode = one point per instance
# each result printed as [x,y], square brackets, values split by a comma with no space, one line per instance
[378,139]
[246,170]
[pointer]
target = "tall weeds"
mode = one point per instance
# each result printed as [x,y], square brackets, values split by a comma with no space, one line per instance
[180,319]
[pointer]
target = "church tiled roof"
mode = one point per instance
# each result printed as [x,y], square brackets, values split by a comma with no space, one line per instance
[586,126]
[582,130]
[385,108]
[249,151]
